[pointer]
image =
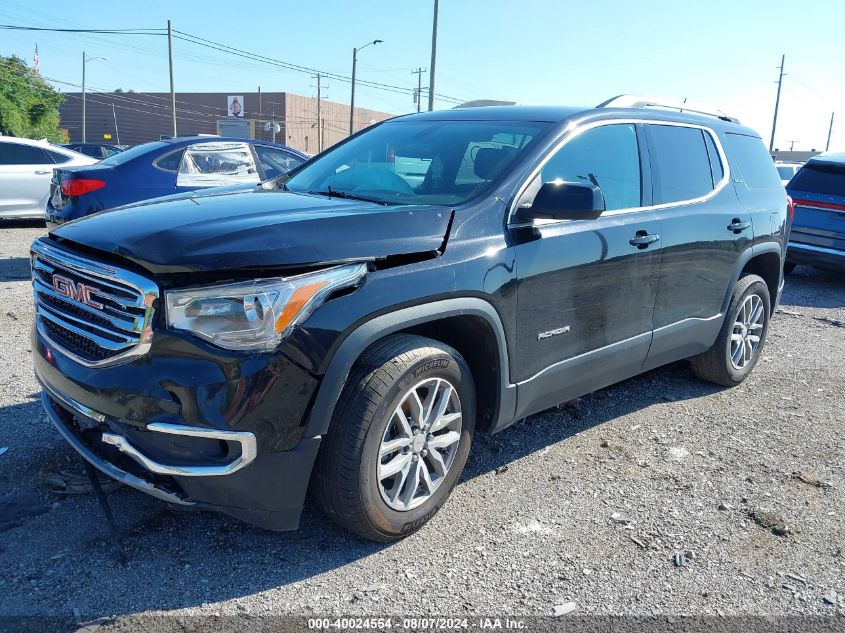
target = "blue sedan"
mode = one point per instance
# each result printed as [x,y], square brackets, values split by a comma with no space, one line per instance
[163,168]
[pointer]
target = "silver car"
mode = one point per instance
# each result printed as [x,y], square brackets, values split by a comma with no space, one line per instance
[26,167]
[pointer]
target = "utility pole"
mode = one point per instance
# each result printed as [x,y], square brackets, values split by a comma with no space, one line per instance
[319,118]
[792,145]
[116,131]
[274,123]
[84,135]
[418,72]
[259,101]
[829,132]
[170,61]
[433,58]
[777,104]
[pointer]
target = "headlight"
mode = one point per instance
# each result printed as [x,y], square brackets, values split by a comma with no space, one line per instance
[256,314]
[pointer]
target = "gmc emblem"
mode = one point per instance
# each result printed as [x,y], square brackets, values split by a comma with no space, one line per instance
[76,291]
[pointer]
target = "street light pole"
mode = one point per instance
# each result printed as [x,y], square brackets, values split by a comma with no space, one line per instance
[86,59]
[352,99]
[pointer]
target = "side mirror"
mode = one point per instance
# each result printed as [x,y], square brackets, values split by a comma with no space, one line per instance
[561,200]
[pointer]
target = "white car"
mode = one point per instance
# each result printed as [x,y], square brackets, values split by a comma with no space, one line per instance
[26,167]
[787,170]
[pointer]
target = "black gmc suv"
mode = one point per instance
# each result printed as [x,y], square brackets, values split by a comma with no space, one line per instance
[350,326]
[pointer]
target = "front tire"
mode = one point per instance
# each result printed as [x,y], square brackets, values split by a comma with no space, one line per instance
[399,438]
[741,339]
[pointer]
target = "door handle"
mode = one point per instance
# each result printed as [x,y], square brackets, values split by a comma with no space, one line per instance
[43,172]
[643,239]
[738,226]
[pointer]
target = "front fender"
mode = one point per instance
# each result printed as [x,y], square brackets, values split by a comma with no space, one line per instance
[368,333]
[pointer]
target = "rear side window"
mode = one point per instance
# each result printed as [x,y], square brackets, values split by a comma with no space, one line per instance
[753,161]
[16,154]
[170,162]
[716,169]
[56,157]
[681,162]
[824,178]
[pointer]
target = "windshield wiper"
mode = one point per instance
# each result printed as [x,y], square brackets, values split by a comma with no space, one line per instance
[332,193]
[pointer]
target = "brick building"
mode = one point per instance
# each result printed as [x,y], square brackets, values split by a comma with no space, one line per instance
[137,117]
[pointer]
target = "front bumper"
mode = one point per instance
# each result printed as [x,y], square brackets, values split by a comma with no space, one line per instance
[190,428]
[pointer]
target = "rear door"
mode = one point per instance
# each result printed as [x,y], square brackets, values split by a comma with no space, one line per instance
[705,229]
[25,172]
[818,191]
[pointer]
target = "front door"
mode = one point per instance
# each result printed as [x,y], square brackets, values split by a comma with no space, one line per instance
[25,173]
[587,287]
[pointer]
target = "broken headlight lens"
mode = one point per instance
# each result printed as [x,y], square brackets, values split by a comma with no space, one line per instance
[256,314]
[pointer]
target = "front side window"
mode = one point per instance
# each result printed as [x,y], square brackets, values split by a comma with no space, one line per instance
[681,164]
[275,162]
[420,162]
[607,157]
[216,164]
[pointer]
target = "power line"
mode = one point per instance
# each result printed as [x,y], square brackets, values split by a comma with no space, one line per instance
[17,27]
[200,41]
[231,50]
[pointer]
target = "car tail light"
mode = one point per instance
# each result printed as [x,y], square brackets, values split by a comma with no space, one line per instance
[790,208]
[78,186]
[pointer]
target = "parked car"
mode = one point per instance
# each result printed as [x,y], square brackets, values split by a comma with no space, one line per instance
[818,230]
[345,328]
[26,167]
[163,168]
[96,150]
[786,170]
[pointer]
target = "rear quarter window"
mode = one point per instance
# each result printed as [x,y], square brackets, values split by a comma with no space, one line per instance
[753,161]
[823,178]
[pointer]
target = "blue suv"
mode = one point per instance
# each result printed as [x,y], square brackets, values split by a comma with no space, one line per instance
[818,229]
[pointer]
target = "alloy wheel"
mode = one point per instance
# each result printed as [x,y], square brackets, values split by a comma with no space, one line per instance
[419,444]
[747,331]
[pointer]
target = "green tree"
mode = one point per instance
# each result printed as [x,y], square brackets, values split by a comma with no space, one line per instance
[29,106]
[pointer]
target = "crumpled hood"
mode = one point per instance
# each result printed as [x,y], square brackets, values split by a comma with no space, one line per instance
[257,229]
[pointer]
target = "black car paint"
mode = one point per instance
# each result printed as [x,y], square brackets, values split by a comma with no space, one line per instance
[514,281]
[269,229]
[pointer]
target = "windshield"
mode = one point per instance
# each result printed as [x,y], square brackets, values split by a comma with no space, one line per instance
[132,152]
[419,162]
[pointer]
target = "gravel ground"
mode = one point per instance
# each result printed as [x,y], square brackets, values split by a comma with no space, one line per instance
[649,497]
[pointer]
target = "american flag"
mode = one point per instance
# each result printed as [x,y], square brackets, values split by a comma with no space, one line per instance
[36,65]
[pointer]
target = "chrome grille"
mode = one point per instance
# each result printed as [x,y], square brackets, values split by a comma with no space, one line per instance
[96,313]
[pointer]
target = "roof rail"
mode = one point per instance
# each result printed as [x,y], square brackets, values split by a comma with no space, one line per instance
[633,101]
